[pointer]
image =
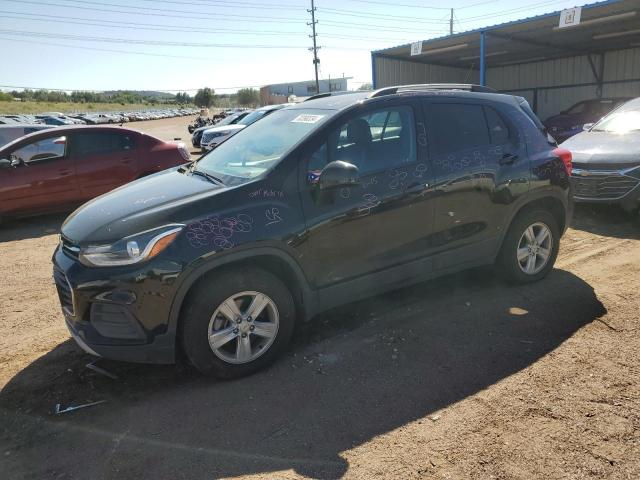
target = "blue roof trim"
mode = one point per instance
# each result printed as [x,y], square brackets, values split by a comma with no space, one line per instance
[501,25]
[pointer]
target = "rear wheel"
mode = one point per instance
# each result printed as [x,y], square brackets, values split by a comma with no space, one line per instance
[237,322]
[530,247]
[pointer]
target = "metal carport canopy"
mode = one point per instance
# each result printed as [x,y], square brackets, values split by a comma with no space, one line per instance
[604,26]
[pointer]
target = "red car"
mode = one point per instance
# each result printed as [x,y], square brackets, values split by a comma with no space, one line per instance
[56,169]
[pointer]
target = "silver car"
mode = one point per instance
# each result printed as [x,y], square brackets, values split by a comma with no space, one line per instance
[606,159]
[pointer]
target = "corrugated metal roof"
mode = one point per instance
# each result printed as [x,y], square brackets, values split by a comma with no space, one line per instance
[533,38]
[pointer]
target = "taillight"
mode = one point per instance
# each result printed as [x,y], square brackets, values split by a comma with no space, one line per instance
[566,157]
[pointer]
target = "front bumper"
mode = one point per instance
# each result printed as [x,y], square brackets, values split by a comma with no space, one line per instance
[118,313]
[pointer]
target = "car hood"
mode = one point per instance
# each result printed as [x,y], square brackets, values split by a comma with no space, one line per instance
[164,198]
[604,148]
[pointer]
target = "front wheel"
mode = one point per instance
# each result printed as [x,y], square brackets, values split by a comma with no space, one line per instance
[236,322]
[530,247]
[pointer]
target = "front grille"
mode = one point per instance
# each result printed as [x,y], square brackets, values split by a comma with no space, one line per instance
[605,187]
[65,294]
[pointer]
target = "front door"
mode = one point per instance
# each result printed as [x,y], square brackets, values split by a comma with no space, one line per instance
[42,179]
[383,221]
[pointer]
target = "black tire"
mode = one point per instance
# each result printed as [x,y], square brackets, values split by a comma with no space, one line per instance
[209,295]
[507,261]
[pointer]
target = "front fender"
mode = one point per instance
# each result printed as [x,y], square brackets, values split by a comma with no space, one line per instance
[205,265]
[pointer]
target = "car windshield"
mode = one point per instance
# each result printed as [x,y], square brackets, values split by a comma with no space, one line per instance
[256,149]
[619,122]
[254,117]
[227,120]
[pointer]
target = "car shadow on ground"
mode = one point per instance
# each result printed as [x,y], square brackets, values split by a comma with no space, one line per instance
[352,374]
[31,227]
[606,220]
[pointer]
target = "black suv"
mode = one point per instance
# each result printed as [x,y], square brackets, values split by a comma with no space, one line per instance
[321,203]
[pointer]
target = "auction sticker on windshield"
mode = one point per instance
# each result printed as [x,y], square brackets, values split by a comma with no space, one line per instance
[307,118]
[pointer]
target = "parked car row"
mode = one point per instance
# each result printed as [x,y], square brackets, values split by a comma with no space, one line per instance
[209,137]
[59,118]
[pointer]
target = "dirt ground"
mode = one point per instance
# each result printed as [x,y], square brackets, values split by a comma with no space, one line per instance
[460,377]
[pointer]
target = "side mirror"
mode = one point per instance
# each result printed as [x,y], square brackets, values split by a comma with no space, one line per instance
[5,163]
[338,174]
[587,126]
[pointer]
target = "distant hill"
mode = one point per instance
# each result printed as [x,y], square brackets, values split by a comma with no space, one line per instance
[142,93]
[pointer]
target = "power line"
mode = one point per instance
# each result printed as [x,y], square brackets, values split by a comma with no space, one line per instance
[163,28]
[227,4]
[140,42]
[503,13]
[400,5]
[476,4]
[153,42]
[376,27]
[206,14]
[148,13]
[136,26]
[379,16]
[102,49]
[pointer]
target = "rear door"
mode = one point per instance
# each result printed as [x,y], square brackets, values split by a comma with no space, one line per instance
[104,160]
[45,178]
[480,167]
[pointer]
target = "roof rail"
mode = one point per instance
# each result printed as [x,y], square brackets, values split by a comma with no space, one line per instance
[328,94]
[468,87]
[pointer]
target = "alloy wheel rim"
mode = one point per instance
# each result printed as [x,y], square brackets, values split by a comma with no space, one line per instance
[534,248]
[243,327]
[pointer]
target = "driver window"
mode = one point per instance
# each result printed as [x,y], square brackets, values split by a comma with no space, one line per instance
[376,141]
[46,149]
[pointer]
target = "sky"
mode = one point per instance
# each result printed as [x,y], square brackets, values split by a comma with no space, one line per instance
[174,45]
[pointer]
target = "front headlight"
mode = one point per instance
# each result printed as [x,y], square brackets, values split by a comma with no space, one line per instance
[131,249]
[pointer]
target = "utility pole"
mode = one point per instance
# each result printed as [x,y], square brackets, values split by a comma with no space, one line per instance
[451,23]
[315,48]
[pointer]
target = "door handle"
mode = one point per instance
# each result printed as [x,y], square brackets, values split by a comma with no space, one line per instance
[508,159]
[417,187]
[64,172]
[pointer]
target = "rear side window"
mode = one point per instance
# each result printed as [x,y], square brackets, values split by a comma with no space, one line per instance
[457,127]
[101,143]
[498,130]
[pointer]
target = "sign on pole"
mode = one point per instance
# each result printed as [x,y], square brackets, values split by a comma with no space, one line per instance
[570,17]
[416,48]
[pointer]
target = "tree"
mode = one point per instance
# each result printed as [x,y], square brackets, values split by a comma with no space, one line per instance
[204,97]
[365,86]
[182,98]
[248,96]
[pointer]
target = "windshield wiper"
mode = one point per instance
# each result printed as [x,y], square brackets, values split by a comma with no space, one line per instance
[208,176]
